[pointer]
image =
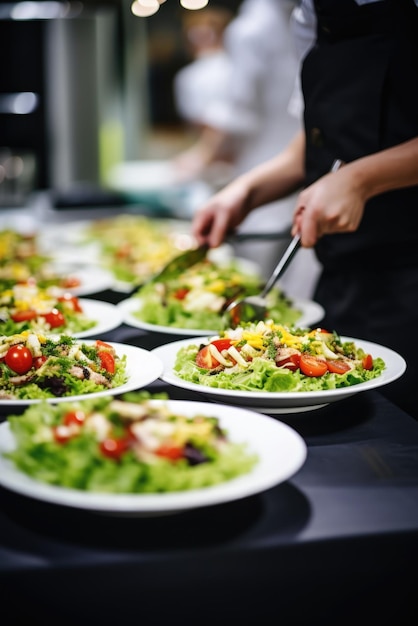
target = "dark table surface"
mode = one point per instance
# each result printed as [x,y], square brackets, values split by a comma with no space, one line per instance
[335,544]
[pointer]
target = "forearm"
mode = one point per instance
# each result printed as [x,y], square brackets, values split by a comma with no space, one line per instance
[387,170]
[278,177]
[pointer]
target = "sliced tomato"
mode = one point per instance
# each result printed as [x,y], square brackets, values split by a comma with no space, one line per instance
[113,447]
[180,294]
[74,417]
[222,344]
[73,301]
[291,362]
[170,451]
[62,434]
[205,359]
[107,361]
[24,316]
[337,366]
[367,362]
[38,361]
[19,359]
[54,318]
[312,366]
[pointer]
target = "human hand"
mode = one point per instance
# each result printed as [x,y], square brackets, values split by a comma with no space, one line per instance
[221,214]
[333,204]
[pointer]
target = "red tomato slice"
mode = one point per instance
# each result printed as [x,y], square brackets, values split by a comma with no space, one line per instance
[107,361]
[367,362]
[74,417]
[61,434]
[291,362]
[114,448]
[38,361]
[19,359]
[70,282]
[180,294]
[205,359]
[312,366]
[337,366]
[54,318]
[68,298]
[222,344]
[24,316]
[170,451]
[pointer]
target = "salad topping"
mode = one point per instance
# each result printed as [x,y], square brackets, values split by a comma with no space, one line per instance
[112,445]
[272,357]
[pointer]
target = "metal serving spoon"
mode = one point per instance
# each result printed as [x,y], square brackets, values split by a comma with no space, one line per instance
[254,308]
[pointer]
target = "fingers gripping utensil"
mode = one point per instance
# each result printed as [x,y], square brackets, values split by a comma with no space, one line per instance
[254,308]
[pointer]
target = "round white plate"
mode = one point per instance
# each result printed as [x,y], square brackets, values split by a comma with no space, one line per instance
[282,402]
[280,449]
[142,368]
[312,312]
[107,316]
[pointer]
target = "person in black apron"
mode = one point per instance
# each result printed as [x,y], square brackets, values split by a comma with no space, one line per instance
[360,88]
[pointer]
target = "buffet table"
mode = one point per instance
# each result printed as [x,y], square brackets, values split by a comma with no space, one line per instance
[336,544]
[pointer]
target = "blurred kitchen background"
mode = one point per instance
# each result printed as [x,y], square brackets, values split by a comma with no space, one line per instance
[85,86]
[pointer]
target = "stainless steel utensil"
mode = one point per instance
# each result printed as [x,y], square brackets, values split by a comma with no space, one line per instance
[181,263]
[254,308]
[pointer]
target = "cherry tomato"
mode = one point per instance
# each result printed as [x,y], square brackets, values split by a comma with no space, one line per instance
[74,417]
[19,359]
[170,451]
[61,434]
[71,300]
[205,359]
[38,361]
[24,316]
[312,366]
[291,362]
[367,362]
[180,294]
[107,361]
[114,448]
[54,318]
[337,366]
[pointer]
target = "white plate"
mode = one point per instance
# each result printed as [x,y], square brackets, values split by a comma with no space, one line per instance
[312,312]
[281,452]
[282,402]
[142,368]
[106,315]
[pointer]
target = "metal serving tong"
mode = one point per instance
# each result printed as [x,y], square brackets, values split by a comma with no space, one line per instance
[181,263]
[254,308]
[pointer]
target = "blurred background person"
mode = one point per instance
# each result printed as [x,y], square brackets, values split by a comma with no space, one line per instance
[251,114]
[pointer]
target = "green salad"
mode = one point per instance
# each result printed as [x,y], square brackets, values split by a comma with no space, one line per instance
[115,446]
[274,358]
[196,298]
[34,366]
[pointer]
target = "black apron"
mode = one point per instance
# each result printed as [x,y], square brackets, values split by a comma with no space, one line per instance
[360,85]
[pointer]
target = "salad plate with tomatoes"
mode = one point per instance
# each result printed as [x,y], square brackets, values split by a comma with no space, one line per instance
[26,306]
[60,368]
[145,456]
[276,369]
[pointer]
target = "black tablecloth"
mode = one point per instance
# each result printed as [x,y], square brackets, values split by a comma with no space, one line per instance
[336,544]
